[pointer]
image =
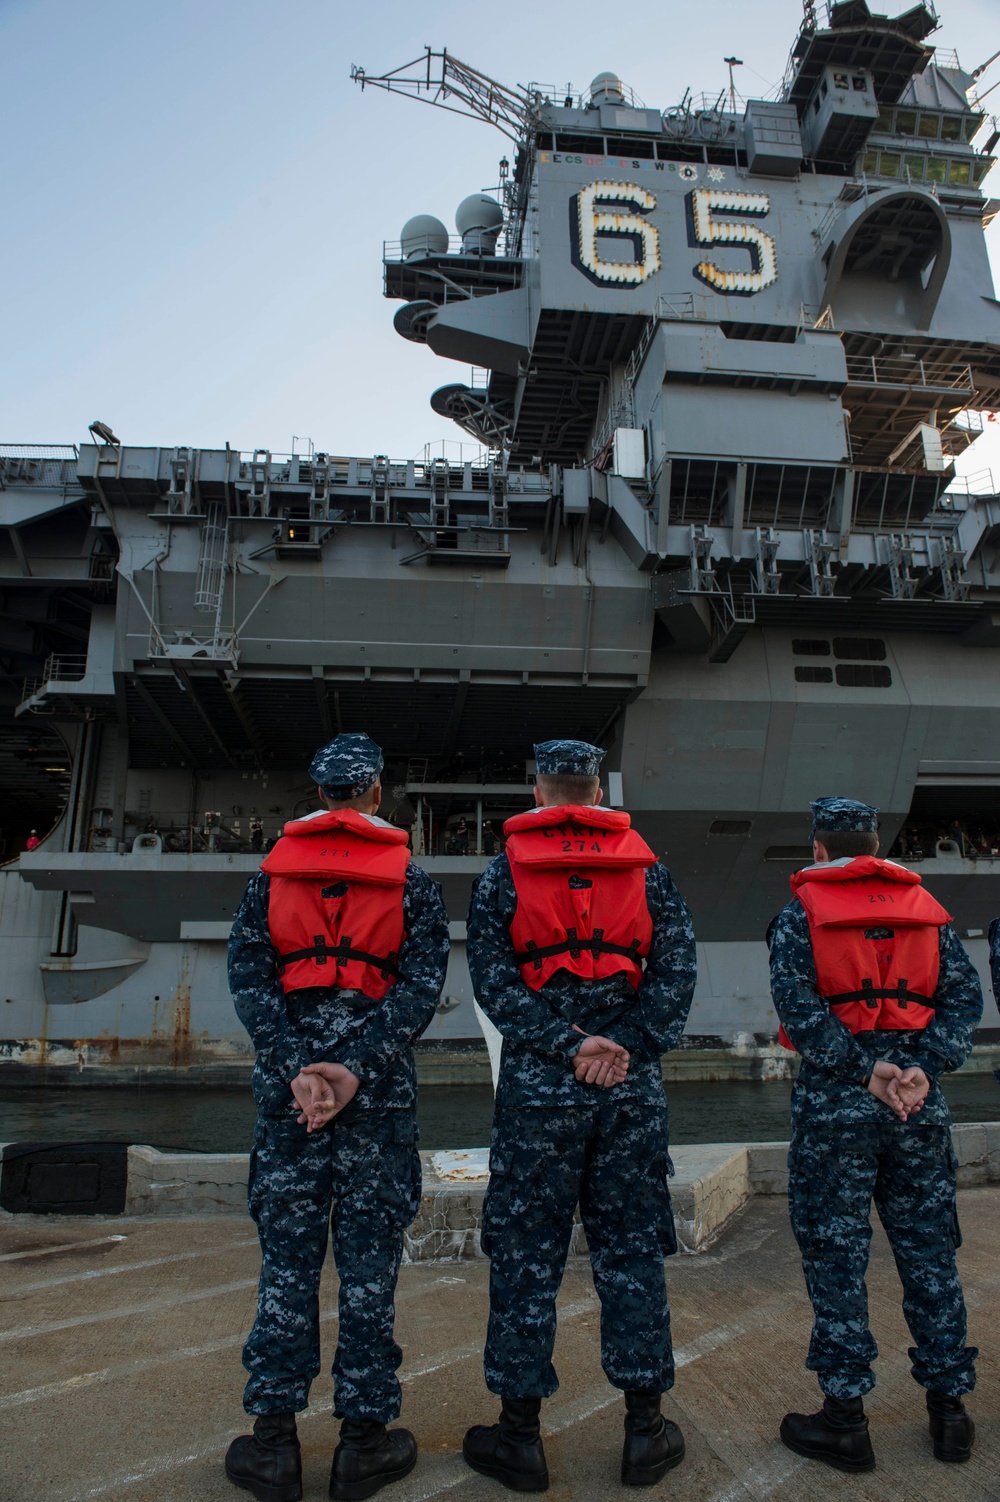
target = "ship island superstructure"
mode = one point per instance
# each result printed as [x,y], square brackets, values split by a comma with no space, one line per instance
[724,357]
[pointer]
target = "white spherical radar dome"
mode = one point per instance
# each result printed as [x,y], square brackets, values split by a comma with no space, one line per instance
[423,235]
[478,211]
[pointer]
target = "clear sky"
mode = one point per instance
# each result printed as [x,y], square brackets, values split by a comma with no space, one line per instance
[195,197]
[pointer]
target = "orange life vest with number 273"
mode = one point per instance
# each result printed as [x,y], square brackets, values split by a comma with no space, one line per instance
[579,875]
[875,935]
[335,909]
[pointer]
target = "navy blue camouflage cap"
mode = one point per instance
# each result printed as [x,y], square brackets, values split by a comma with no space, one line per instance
[347,766]
[568,759]
[845,814]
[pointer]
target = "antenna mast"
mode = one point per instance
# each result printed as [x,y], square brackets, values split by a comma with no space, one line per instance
[443,80]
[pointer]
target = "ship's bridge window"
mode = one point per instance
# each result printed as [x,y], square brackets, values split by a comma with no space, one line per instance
[859,648]
[729,826]
[970,126]
[884,122]
[810,646]
[960,173]
[937,169]
[591,145]
[863,675]
[889,164]
[951,128]
[543,140]
[906,122]
[869,164]
[914,168]
[813,675]
[623,147]
[980,170]
[930,126]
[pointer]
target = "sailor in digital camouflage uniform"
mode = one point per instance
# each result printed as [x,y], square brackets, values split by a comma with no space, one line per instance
[877,994]
[336,959]
[582,954]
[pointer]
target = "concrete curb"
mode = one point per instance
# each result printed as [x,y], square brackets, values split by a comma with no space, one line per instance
[712,1183]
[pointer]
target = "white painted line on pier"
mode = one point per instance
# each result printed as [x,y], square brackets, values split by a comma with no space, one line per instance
[63,1246]
[447,1473]
[133,1267]
[761,1480]
[153,1306]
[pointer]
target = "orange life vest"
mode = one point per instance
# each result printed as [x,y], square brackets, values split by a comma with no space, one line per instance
[335,911]
[875,934]
[579,875]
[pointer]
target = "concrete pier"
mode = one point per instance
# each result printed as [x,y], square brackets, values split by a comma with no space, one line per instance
[122,1379]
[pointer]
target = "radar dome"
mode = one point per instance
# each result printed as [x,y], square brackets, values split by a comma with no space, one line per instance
[423,235]
[606,88]
[479,220]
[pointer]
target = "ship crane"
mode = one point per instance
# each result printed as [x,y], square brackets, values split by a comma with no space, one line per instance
[441,79]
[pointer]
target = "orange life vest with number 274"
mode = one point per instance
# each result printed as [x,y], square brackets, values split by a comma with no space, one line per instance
[579,875]
[875,935]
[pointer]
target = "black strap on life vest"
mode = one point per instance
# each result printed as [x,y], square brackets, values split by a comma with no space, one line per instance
[871,995]
[534,954]
[321,951]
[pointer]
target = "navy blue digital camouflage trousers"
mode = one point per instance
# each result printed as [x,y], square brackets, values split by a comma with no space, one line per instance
[835,1171]
[611,1157]
[359,1179]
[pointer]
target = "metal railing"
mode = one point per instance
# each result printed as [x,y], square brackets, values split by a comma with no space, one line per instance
[898,370]
[64,668]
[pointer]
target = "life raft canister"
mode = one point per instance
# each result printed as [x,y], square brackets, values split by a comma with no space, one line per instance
[579,875]
[875,933]
[335,911]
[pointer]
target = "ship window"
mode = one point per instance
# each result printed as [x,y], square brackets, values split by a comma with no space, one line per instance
[980,171]
[929,125]
[884,122]
[970,127]
[859,648]
[800,853]
[593,145]
[888,165]
[951,128]
[813,675]
[960,174]
[544,140]
[729,826]
[937,170]
[859,83]
[869,163]
[915,168]
[629,148]
[863,675]
[810,646]
[906,123]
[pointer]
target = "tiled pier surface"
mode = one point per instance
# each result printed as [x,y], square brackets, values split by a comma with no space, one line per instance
[711,1185]
[121,1379]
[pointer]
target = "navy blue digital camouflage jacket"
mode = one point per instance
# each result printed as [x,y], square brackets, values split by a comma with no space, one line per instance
[537,1026]
[372,1039]
[829,1087]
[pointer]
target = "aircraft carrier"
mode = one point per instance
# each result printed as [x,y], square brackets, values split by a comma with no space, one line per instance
[723,357]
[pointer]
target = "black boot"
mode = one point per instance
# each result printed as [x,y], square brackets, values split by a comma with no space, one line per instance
[837,1435]
[268,1462]
[653,1444]
[952,1430]
[511,1450]
[369,1457]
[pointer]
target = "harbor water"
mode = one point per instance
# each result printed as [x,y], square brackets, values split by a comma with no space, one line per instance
[213,1119]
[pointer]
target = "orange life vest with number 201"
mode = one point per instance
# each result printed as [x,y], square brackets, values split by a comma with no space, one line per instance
[875,935]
